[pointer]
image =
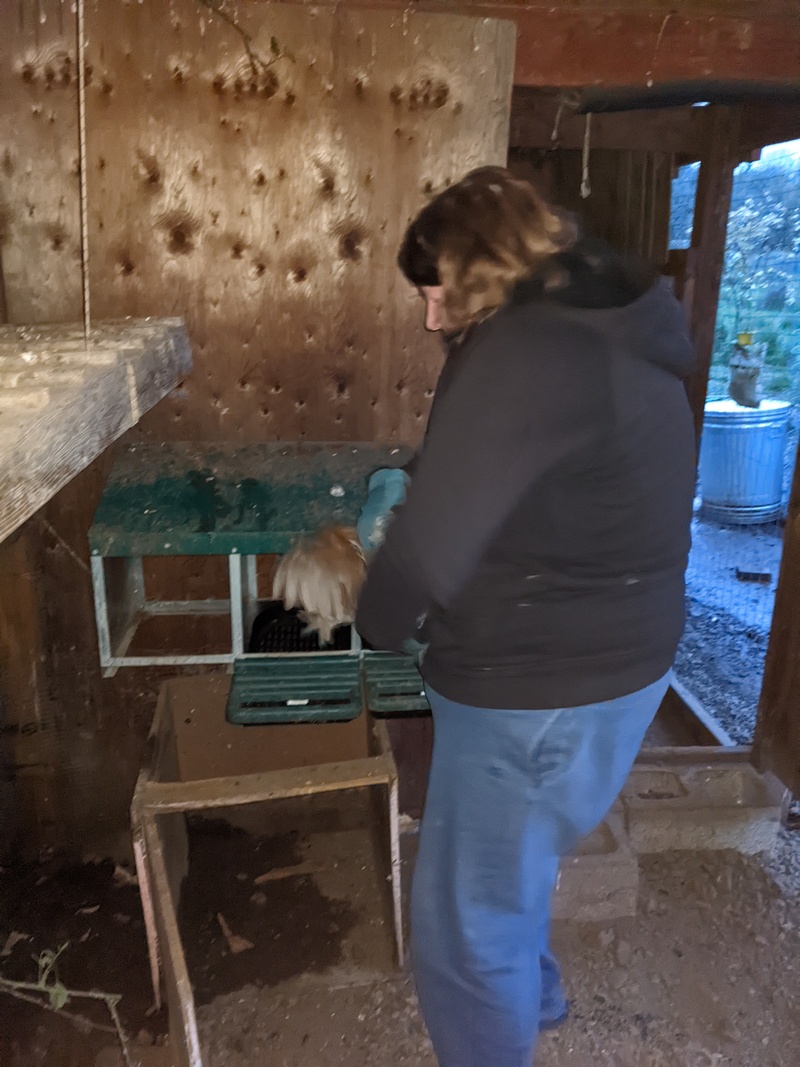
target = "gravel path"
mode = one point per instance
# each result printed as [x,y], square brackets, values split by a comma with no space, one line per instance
[721,657]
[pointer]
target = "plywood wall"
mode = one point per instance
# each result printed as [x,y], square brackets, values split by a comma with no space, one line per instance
[265,206]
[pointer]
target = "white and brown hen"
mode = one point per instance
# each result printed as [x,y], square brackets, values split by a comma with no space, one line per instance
[322,575]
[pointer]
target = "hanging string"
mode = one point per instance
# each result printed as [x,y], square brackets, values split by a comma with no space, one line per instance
[562,103]
[82,168]
[586,189]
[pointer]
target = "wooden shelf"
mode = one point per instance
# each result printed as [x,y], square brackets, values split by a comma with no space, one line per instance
[62,401]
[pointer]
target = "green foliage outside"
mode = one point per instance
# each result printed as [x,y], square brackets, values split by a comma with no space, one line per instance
[760,291]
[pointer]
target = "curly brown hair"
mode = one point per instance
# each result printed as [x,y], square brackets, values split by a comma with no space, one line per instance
[480,237]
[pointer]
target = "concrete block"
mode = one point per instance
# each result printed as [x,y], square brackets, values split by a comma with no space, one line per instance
[599,881]
[711,806]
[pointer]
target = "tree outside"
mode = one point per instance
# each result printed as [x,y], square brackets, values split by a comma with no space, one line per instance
[760,292]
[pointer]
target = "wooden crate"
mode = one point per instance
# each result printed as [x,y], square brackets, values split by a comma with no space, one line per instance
[198,761]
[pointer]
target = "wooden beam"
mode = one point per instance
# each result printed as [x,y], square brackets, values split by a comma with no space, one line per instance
[563,47]
[712,206]
[776,745]
[570,44]
[184,1039]
[535,123]
[233,790]
[705,755]
[63,402]
[764,124]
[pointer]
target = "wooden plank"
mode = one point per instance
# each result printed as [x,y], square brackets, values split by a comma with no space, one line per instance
[536,123]
[629,201]
[146,890]
[768,124]
[164,797]
[412,744]
[180,997]
[712,206]
[579,47]
[42,448]
[706,728]
[577,44]
[695,754]
[776,744]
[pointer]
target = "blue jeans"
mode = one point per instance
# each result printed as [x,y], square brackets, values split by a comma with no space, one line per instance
[509,793]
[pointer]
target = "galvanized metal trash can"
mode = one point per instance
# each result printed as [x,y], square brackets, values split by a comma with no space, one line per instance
[741,461]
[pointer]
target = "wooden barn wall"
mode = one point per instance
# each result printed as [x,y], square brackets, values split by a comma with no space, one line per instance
[265,205]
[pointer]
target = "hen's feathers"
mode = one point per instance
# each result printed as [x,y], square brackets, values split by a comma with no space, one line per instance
[322,576]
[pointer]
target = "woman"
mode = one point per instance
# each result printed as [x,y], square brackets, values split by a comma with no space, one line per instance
[543,540]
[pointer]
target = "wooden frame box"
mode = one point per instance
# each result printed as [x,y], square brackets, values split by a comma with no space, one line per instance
[197,762]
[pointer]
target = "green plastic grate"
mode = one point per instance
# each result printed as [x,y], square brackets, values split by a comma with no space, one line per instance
[277,690]
[393,685]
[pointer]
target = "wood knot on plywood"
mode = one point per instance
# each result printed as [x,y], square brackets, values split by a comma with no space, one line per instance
[350,243]
[339,386]
[180,229]
[425,94]
[125,264]
[327,180]
[149,171]
[53,66]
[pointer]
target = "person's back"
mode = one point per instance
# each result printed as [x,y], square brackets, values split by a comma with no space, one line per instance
[580,594]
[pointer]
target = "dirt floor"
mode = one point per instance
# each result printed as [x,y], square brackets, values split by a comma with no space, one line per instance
[706,974]
[93,909]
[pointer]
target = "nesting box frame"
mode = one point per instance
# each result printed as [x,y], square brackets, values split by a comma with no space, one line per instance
[198,762]
[185,499]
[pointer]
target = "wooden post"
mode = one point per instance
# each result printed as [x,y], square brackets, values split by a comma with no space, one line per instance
[712,206]
[776,745]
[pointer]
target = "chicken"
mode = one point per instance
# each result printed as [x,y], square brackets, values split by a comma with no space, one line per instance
[322,575]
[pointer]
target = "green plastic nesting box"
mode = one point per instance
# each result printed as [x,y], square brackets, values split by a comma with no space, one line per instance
[295,689]
[393,685]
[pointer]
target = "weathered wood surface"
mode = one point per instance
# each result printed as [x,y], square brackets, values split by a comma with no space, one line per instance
[776,745]
[630,194]
[547,119]
[186,1051]
[540,118]
[578,43]
[271,217]
[63,403]
[712,206]
[271,785]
